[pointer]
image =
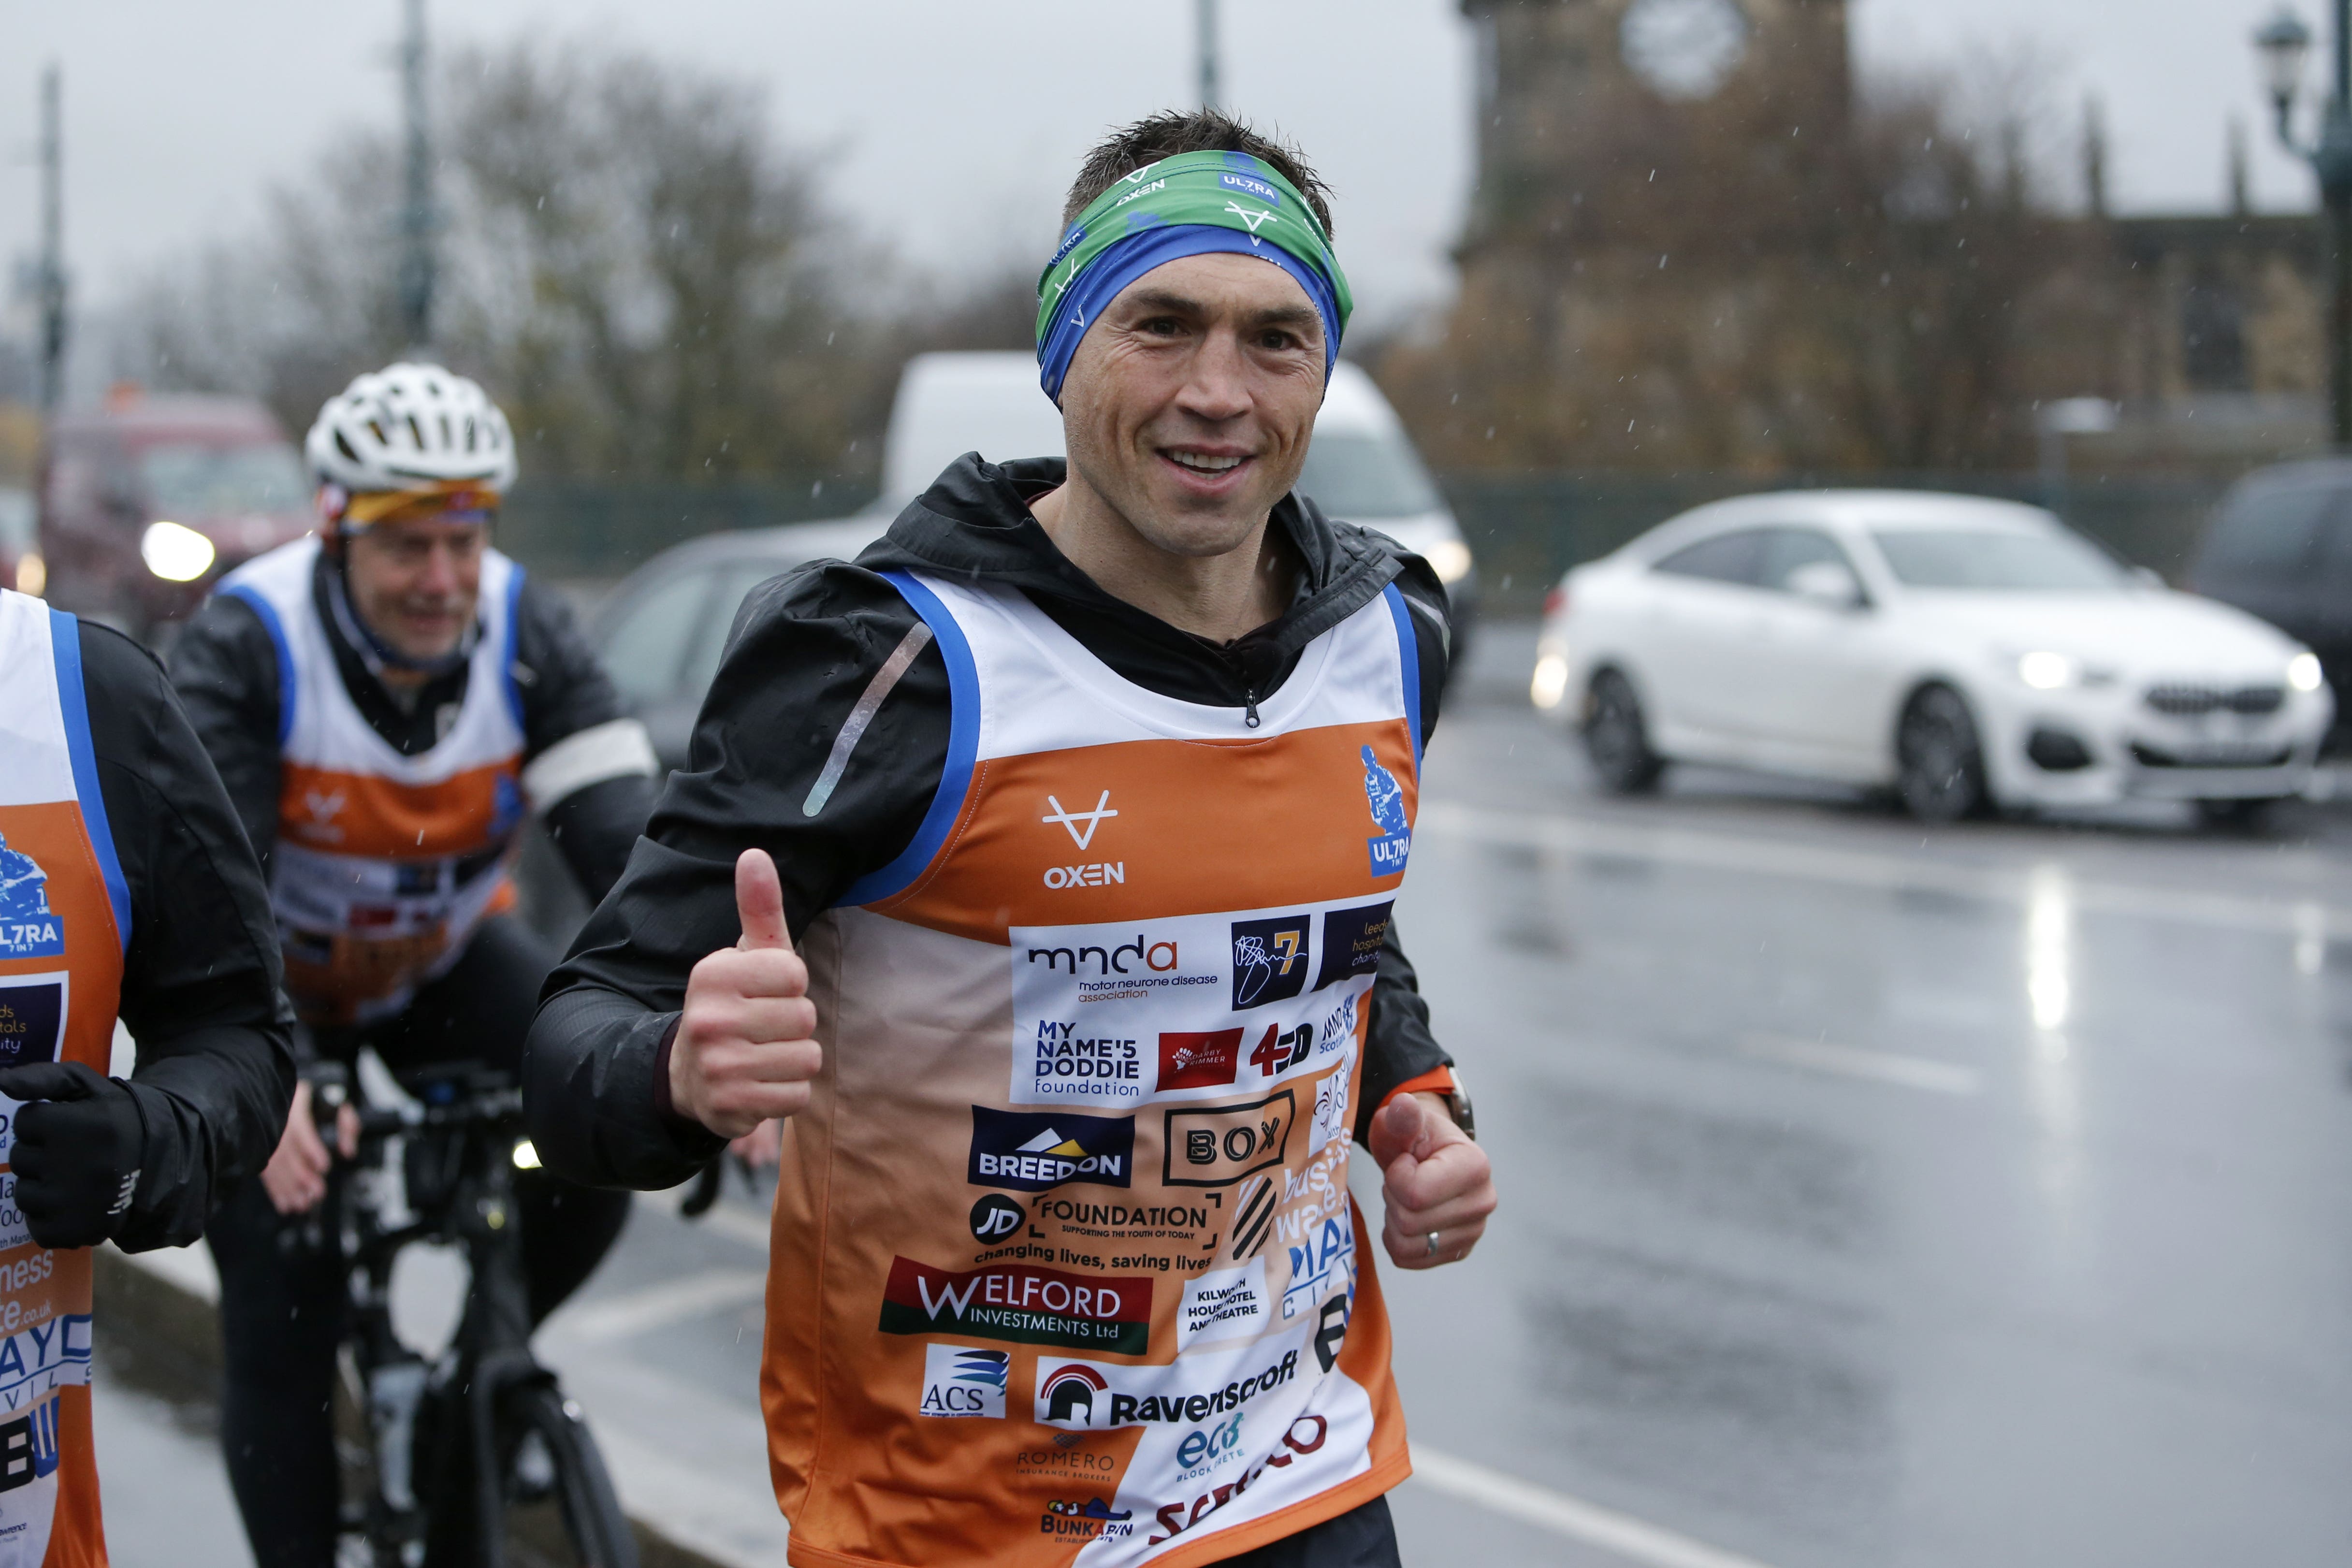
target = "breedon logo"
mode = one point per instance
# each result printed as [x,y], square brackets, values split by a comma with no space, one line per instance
[1030,1153]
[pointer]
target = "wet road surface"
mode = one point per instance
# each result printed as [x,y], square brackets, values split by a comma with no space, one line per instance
[1873,1195]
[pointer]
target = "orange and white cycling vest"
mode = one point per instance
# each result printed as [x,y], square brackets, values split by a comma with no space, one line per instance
[384,864]
[1065,1268]
[65,920]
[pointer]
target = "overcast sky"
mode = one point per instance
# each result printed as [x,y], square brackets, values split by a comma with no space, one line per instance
[959,123]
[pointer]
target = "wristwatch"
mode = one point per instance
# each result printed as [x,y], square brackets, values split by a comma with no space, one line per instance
[1457,1101]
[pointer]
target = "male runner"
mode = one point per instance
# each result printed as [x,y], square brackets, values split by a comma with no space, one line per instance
[1048,854]
[126,888]
[386,700]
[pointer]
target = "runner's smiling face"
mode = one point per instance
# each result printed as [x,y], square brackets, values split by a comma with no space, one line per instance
[1188,405]
[416,582]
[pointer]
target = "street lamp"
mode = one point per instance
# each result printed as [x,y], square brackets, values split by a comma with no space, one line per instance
[2282,43]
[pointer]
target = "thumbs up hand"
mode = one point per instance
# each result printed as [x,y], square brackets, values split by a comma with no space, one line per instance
[743,1052]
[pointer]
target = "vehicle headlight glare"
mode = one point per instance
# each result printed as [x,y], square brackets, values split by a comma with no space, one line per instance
[2303,672]
[2046,671]
[176,552]
[1550,682]
[1450,559]
[526,1157]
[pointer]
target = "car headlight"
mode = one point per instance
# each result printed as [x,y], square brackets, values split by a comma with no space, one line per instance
[1450,559]
[2303,672]
[1550,682]
[2047,671]
[176,552]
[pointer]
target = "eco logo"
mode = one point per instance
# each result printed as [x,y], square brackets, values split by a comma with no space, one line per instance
[28,928]
[959,1381]
[1020,1303]
[1269,960]
[1215,1148]
[1031,1151]
[1385,796]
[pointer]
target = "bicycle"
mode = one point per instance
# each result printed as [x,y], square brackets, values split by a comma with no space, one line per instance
[474,1458]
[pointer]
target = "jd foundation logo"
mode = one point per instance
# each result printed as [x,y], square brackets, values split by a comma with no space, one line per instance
[28,928]
[1385,796]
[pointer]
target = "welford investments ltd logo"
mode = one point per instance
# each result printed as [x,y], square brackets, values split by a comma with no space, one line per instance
[1031,1152]
[961,1381]
[1020,1303]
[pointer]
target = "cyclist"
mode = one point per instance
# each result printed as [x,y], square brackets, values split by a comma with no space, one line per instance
[386,699]
[126,889]
[1086,792]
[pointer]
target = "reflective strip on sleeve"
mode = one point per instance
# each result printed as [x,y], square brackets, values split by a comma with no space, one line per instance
[618,749]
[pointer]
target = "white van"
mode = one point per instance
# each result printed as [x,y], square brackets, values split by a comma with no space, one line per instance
[1361,469]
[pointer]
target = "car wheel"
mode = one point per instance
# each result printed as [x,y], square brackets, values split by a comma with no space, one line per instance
[1940,764]
[1617,738]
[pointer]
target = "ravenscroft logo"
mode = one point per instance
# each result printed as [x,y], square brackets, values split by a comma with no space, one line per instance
[1090,1520]
[1032,1152]
[1385,796]
[1216,1147]
[1199,1061]
[1096,1395]
[1351,942]
[28,928]
[1223,1304]
[1020,1303]
[959,1381]
[32,1016]
[1269,960]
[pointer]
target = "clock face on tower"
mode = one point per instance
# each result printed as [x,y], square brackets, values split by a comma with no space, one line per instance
[1683,48]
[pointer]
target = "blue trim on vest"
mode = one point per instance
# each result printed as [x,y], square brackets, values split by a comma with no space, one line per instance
[251,595]
[513,688]
[1409,653]
[964,748]
[73,702]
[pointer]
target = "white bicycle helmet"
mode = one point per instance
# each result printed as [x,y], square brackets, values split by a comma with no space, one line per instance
[411,428]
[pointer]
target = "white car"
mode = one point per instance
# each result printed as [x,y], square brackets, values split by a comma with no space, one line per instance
[1969,653]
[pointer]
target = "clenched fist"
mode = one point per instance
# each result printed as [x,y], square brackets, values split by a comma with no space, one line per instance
[743,1052]
[1438,1185]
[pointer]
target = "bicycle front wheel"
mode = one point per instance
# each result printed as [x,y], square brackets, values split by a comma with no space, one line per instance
[561,1510]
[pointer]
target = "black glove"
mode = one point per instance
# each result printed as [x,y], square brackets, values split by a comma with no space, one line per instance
[78,1142]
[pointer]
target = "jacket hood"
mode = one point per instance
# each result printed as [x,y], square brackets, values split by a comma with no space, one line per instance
[974,522]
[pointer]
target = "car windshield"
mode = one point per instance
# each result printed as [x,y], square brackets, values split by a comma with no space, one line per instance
[1996,559]
[1354,477]
[204,479]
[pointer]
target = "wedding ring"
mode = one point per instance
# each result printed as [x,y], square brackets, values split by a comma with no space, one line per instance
[1432,1244]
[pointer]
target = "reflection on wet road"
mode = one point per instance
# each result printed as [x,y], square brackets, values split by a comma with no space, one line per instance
[1971,1198]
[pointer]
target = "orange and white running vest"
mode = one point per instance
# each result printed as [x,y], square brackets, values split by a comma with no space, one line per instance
[1064,1264]
[65,920]
[384,864]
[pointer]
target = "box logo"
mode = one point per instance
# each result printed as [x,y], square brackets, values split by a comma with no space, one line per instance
[1214,1148]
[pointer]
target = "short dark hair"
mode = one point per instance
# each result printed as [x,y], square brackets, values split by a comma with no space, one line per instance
[1178,130]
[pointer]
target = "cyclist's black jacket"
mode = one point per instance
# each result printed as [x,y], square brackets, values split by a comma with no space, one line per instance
[226,667]
[200,979]
[804,648]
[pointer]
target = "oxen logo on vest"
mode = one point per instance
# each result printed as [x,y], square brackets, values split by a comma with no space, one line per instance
[323,809]
[1070,819]
[29,927]
[1385,798]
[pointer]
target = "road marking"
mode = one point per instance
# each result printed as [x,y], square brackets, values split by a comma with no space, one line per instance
[1880,1067]
[1636,1540]
[2283,915]
[658,1306]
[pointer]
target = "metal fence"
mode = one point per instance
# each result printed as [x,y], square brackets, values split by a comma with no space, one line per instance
[1523,529]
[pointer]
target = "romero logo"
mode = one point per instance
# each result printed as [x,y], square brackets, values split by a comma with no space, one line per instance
[1031,1151]
[961,1381]
[1269,960]
[1020,1303]
[1214,1148]
[1199,1061]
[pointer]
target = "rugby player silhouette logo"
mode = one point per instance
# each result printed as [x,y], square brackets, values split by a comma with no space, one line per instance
[1385,798]
[1269,960]
[29,927]
[1066,1397]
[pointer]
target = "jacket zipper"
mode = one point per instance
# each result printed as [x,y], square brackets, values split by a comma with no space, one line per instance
[1249,706]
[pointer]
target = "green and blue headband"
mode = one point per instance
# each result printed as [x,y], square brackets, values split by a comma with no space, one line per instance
[1192,205]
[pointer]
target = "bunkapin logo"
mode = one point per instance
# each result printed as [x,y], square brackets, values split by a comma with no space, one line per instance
[1030,1153]
[964,1381]
[1093,1519]
[29,927]
[1385,796]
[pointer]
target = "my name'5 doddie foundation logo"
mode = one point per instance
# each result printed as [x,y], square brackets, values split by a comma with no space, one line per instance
[29,929]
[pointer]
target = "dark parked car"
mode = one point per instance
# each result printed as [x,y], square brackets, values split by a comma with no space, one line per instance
[2281,547]
[145,501]
[660,634]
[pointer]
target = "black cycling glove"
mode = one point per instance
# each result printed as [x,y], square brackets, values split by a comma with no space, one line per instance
[78,1142]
